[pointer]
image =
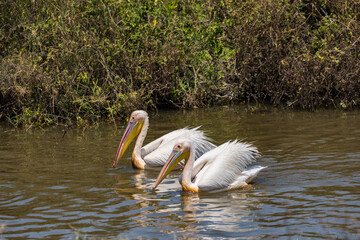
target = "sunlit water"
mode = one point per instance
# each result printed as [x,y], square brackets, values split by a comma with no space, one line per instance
[56,186]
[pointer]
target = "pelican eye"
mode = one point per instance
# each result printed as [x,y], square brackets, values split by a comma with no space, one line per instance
[178,146]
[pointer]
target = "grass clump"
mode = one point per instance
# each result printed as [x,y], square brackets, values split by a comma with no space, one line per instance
[82,61]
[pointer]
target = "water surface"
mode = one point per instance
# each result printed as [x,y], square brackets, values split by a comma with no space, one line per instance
[56,186]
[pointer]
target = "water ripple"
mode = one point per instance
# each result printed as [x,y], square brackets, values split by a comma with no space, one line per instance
[65,187]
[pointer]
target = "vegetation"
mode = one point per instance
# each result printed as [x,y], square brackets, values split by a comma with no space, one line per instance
[85,60]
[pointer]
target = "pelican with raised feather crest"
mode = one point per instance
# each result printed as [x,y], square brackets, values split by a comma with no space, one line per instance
[155,154]
[222,168]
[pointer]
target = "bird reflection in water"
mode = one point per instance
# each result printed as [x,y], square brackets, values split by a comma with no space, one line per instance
[166,205]
[213,210]
[188,211]
[139,186]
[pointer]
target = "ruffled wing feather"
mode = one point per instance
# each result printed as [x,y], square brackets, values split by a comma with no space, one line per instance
[222,166]
[159,150]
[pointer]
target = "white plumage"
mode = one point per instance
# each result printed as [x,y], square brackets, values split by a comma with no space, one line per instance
[156,152]
[222,168]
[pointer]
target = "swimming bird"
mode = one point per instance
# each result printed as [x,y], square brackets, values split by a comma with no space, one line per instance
[154,154]
[222,168]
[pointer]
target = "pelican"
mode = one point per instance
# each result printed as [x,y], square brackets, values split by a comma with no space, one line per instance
[155,154]
[220,169]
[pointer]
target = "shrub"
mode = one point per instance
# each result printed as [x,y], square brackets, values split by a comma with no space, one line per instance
[64,61]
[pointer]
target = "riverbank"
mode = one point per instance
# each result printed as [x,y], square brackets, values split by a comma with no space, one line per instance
[79,62]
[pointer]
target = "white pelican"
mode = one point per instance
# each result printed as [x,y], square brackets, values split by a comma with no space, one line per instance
[156,153]
[222,168]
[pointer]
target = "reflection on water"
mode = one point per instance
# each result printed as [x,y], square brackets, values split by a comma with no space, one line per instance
[56,187]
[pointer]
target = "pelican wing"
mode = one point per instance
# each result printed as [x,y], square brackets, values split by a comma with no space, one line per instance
[247,176]
[222,166]
[157,152]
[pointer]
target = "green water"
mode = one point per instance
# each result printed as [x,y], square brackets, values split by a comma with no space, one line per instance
[56,186]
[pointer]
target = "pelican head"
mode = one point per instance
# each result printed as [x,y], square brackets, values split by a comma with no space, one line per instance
[180,151]
[136,123]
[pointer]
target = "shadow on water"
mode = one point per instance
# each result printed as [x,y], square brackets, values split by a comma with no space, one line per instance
[51,185]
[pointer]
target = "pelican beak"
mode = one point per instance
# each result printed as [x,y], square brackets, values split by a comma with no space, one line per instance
[132,130]
[175,157]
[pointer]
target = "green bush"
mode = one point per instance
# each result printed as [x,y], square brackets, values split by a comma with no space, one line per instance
[67,60]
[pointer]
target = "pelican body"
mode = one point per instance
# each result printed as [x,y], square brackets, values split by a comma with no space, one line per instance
[155,154]
[220,169]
